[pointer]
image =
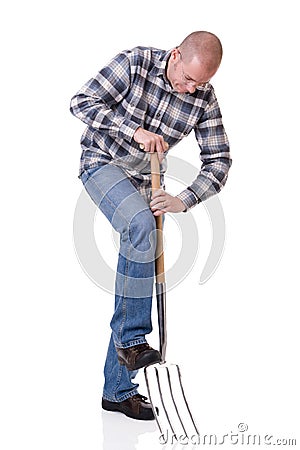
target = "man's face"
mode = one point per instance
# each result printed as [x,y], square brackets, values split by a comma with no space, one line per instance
[186,77]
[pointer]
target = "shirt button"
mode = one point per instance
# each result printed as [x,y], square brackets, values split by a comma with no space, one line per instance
[158,115]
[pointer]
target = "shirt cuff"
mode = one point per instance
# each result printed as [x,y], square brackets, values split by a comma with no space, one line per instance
[188,198]
[127,129]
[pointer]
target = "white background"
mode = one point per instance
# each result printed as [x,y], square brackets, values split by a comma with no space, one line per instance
[235,337]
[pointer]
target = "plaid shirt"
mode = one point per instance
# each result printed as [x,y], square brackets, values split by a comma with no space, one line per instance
[132,91]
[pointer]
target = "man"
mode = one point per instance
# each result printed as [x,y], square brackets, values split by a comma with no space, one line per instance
[146,100]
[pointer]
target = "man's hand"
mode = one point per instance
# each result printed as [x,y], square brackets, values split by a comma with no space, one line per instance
[151,142]
[162,202]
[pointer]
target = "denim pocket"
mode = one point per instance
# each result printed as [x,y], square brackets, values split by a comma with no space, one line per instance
[87,173]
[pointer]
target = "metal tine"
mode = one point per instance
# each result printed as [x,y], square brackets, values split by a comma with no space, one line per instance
[163,403]
[170,382]
[185,400]
[169,378]
[154,368]
[151,401]
[174,402]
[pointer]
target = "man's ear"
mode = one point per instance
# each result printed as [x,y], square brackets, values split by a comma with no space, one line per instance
[175,54]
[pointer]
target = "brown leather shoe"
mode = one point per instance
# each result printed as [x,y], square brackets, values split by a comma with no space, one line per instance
[138,356]
[135,407]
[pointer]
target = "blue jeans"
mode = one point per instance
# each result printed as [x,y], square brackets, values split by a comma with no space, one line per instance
[131,217]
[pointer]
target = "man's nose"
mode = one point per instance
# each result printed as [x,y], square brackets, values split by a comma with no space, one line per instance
[191,88]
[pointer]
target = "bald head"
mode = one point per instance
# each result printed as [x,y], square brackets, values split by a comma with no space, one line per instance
[203,46]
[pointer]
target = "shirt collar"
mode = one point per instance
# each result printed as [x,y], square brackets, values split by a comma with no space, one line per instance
[159,69]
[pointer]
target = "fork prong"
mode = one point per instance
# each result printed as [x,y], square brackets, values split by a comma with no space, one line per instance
[185,400]
[151,400]
[181,415]
[174,402]
[162,401]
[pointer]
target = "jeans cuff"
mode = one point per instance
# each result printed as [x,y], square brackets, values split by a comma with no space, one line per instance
[131,343]
[120,399]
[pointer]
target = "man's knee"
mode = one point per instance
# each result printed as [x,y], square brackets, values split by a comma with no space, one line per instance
[142,231]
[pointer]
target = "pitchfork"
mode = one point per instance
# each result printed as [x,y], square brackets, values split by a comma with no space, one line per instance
[166,378]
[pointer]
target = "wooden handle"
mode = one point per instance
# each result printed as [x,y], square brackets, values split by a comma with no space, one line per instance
[159,258]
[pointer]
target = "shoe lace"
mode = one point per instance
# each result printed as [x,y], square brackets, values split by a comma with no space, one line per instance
[139,398]
[140,348]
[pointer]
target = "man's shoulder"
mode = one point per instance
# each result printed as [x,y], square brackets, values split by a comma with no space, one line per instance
[147,54]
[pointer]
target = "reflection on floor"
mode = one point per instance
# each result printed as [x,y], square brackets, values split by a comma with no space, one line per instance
[121,432]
